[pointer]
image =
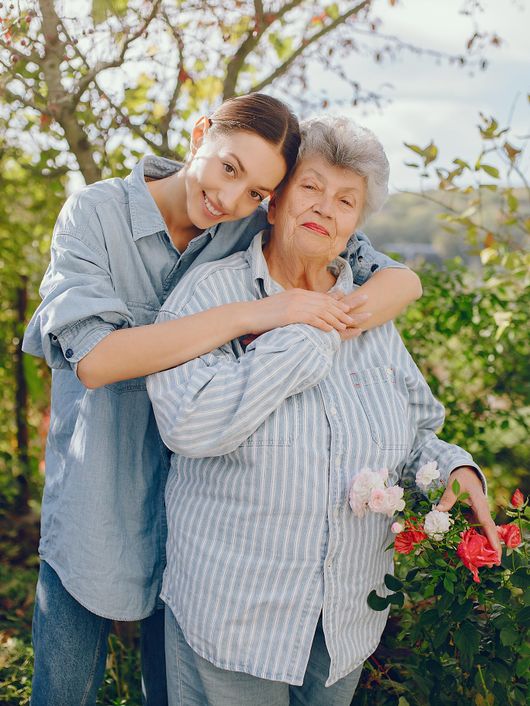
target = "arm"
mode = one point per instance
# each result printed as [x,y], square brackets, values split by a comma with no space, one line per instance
[209,406]
[389,286]
[84,324]
[454,463]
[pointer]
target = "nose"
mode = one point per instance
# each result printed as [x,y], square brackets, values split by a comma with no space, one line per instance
[230,197]
[324,205]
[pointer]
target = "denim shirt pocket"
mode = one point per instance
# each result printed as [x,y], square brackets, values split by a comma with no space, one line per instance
[384,406]
[143,314]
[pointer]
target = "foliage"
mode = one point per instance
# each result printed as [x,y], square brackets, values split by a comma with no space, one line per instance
[458,642]
[95,89]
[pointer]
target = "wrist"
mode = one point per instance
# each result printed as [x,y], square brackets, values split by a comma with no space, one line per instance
[243,314]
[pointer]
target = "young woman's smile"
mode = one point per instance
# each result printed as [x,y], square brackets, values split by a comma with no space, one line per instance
[229,175]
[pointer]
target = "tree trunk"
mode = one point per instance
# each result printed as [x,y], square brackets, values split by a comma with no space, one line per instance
[21,404]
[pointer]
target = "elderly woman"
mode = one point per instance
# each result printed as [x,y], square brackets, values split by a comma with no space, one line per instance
[268,569]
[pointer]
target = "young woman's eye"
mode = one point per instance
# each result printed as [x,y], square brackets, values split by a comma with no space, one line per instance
[229,169]
[256,196]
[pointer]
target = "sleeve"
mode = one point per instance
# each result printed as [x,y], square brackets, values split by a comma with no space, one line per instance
[79,304]
[365,261]
[426,417]
[210,405]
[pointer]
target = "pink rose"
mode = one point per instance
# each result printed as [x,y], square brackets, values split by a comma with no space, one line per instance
[475,551]
[510,535]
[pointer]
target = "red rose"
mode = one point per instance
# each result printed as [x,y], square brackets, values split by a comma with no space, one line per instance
[517,499]
[474,551]
[510,535]
[405,541]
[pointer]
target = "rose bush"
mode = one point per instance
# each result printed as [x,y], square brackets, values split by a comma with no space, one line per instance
[458,633]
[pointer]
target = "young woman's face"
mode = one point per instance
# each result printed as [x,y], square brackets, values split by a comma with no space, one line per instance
[229,175]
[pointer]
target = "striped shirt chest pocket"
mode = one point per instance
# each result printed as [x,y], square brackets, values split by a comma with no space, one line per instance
[384,405]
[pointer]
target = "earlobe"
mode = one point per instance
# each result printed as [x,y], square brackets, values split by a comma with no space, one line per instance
[198,132]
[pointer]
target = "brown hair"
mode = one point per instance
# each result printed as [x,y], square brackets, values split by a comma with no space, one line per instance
[263,115]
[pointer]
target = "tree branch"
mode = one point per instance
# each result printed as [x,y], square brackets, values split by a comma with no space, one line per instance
[84,82]
[307,43]
[261,25]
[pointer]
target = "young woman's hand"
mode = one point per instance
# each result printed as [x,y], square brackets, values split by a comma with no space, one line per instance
[300,306]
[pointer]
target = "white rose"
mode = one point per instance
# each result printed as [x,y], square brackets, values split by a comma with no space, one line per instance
[427,473]
[436,524]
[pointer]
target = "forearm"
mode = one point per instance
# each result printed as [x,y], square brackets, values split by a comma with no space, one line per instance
[389,293]
[209,406]
[143,350]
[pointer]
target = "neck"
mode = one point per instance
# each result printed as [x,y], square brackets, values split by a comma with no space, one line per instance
[291,271]
[169,195]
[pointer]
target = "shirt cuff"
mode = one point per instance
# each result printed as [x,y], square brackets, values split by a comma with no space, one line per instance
[327,343]
[77,340]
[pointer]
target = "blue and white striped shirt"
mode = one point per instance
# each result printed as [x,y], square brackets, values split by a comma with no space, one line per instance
[266,441]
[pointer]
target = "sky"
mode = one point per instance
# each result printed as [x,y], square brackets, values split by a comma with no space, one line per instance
[443,102]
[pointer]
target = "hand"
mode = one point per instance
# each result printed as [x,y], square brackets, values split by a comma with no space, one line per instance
[470,483]
[354,300]
[300,306]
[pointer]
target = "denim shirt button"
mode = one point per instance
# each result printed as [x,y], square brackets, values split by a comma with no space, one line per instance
[374,267]
[68,353]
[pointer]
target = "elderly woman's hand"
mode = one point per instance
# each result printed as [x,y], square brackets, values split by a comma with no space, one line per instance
[470,483]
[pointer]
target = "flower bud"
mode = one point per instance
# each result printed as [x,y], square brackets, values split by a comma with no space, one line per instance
[517,499]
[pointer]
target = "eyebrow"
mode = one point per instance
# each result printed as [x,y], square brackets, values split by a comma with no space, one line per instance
[355,189]
[242,168]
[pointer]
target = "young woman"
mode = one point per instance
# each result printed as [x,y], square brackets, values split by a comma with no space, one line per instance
[119,248]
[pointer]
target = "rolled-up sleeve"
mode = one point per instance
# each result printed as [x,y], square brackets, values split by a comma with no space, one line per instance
[366,261]
[79,305]
[426,417]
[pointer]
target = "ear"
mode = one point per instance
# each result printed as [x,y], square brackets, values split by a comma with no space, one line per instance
[271,211]
[198,133]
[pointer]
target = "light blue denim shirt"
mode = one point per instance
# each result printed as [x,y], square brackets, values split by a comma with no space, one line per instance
[267,439]
[112,266]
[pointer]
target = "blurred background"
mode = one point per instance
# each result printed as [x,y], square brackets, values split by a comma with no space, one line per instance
[89,87]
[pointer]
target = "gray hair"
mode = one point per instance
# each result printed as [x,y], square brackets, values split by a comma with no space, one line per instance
[344,143]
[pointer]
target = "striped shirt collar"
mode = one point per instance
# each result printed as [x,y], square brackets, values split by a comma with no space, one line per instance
[260,271]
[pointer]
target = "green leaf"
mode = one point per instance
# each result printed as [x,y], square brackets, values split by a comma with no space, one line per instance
[393,583]
[396,599]
[523,616]
[492,171]
[377,602]
[455,487]
[448,585]
[509,636]
[103,9]
[521,578]
[467,641]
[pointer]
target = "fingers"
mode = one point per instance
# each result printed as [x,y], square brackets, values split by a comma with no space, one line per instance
[350,333]
[355,300]
[447,501]
[482,513]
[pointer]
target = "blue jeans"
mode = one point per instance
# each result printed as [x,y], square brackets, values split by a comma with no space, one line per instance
[193,681]
[70,645]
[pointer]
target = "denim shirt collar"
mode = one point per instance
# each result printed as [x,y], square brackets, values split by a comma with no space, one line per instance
[260,271]
[146,218]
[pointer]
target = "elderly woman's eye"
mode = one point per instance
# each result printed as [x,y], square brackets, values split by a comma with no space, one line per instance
[308,186]
[348,203]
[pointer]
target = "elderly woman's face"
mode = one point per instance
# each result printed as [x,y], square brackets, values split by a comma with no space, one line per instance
[318,209]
